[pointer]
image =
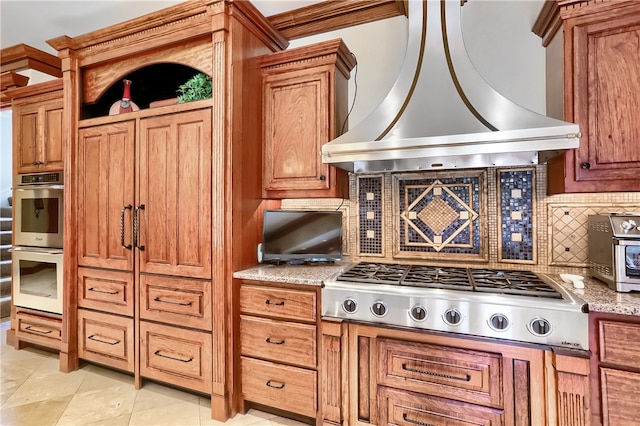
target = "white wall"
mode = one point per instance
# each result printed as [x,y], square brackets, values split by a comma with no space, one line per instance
[498,38]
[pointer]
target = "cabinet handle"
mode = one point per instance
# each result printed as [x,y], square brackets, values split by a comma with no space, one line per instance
[35,330]
[406,418]
[323,177]
[128,246]
[173,358]
[93,337]
[274,342]
[274,386]
[136,227]
[465,378]
[269,302]
[157,299]
[95,290]
[585,166]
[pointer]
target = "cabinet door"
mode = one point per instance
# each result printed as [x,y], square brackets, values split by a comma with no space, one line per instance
[296,126]
[38,136]
[105,201]
[174,203]
[604,53]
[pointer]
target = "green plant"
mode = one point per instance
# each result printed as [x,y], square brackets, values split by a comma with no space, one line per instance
[197,87]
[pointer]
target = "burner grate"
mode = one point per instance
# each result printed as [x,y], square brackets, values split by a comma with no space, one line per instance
[522,283]
[375,273]
[437,277]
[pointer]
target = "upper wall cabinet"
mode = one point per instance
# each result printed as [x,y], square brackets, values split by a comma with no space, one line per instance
[602,82]
[37,128]
[304,107]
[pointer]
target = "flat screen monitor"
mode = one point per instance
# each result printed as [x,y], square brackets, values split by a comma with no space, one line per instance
[309,236]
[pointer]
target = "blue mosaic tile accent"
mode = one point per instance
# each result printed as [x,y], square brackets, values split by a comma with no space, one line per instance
[444,199]
[370,217]
[516,189]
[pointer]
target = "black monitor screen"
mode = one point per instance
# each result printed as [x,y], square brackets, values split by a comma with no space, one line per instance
[302,235]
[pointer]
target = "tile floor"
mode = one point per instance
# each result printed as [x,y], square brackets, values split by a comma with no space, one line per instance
[34,392]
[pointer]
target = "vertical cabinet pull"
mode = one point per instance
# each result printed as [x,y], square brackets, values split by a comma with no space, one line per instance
[127,246]
[136,227]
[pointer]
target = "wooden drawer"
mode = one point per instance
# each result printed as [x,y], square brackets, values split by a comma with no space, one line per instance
[620,403]
[109,291]
[282,303]
[399,407]
[619,343]
[177,301]
[106,339]
[177,356]
[287,388]
[286,342]
[453,373]
[38,329]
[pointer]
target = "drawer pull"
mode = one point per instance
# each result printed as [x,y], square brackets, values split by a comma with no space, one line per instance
[172,357]
[157,299]
[406,418]
[275,386]
[275,342]
[93,337]
[269,302]
[103,291]
[35,330]
[465,378]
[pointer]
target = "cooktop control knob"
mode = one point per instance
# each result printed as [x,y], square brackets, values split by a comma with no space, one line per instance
[349,306]
[452,316]
[418,313]
[540,327]
[499,322]
[379,308]
[628,225]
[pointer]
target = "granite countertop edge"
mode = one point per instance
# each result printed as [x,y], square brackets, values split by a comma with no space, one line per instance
[595,293]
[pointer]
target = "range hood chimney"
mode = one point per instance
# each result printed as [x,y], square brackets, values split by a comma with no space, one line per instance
[441,114]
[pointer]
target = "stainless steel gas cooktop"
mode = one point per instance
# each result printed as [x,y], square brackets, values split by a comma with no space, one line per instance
[512,305]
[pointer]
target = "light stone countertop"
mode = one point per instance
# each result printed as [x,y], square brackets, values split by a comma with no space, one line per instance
[595,293]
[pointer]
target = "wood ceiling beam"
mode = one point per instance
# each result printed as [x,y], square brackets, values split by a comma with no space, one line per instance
[333,15]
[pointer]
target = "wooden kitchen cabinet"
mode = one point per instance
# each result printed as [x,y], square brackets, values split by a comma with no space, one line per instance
[305,106]
[279,347]
[615,368]
[602,80]
[37,128]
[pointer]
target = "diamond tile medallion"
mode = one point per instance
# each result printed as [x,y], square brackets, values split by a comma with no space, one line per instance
[438,216]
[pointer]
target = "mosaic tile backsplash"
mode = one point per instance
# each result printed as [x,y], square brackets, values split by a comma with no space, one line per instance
[553,229]
[438,215]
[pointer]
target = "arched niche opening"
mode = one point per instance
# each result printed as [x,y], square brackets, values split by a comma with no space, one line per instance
[151,83]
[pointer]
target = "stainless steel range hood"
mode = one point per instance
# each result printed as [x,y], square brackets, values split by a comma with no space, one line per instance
[441,114]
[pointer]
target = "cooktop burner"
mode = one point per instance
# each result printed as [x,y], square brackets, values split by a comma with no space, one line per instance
[522,283]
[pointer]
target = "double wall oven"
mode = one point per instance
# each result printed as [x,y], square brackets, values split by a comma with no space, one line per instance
[38,234]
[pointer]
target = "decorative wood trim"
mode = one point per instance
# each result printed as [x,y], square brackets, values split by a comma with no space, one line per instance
[35,89]
[578,8]
[22,56]
[333,15]
[10,80]
[548,22]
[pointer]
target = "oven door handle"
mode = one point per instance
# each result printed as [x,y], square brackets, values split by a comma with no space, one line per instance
[36,187]
[128,246]
[136,227]
[626,242]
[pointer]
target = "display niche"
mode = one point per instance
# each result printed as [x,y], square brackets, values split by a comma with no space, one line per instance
[149,84]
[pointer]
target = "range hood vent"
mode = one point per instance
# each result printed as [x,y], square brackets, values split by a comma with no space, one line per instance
[441,114]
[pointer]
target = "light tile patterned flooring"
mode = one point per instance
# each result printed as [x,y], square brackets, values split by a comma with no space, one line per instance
[34,392]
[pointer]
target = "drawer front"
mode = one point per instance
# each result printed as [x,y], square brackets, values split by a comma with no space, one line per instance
[620,403]
[282,303]
[177,356]
[177,301]
[398,407]
[109,291]
[107,339]
[280,341]
[619,343]
[464,375]
[287,388]
[38,329]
